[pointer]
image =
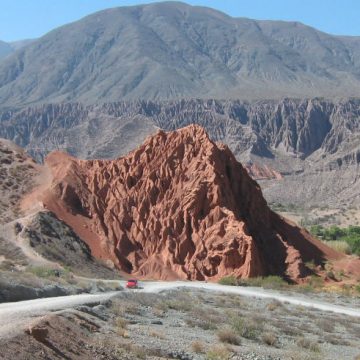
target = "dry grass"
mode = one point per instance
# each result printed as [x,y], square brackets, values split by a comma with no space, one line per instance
[158,312]
[326,325]
[121,308]
[178,302]
[157,334]
[204,318]
[198,347]
[121,323]
[269,338]
[308,344]
[339,245]
[228,336]
[123,333]
[218,353]
[247,328]
[121,326]
[335,340]
[275,304]
[139,352]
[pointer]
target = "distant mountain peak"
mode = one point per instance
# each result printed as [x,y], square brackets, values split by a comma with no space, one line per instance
[172,50]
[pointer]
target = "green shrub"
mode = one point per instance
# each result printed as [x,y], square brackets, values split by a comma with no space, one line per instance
[43,272]
[337,238]
[316,281]
[269,282]
[229,280]
[317,230]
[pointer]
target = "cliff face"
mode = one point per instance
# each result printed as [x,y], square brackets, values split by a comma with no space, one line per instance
[179,206]
[303,140]
[263,128]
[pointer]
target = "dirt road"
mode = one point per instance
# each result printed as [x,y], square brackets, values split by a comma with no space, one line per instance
[14,316]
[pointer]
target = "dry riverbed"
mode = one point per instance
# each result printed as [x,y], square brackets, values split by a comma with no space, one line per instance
[188,324]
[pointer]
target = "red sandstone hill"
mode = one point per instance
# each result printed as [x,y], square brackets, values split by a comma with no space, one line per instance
[180,206]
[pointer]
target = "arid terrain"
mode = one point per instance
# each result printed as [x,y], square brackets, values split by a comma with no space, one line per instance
[309,147]
[188,324]
[214,159]
[179,206]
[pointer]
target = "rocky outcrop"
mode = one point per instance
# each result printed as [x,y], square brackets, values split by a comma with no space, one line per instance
[10,292]
[314,139]
[179,206]
[258,172]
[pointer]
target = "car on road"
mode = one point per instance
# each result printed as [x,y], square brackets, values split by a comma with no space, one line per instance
[132,284]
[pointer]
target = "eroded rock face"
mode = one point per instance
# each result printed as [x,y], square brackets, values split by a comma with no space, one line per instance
[258,172]
[180,206]
[316,138]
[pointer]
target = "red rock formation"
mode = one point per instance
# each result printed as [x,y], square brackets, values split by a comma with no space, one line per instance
[258,172]
[180,206]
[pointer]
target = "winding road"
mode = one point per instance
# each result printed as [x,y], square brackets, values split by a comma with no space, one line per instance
[14,316]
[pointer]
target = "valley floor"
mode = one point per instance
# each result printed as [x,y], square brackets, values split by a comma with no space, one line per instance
[187,324]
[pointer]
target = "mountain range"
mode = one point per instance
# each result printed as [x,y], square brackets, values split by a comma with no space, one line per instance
[311,144]
[277,93]
[7,48]
[150,110]
[172,50]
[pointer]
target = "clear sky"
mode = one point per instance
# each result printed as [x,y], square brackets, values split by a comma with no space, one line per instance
[21,19]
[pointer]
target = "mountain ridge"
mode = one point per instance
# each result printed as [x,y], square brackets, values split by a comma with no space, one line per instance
[310,143]
[174,50]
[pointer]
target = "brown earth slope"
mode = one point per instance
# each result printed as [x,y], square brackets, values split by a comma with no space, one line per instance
[18,172]
[179,206]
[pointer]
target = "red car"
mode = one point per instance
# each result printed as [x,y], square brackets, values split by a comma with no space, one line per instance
[132,284]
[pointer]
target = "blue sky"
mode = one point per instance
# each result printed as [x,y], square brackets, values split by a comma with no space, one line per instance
[21,19]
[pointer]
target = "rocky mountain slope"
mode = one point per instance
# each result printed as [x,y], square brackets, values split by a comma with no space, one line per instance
[312,144]
[5,49]
[179,206]
[18,173]
[172,50]
[8,48]
[34,238]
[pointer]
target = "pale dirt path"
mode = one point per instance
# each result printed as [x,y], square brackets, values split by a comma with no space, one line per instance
[292,298]
[15,316]
[7,231]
